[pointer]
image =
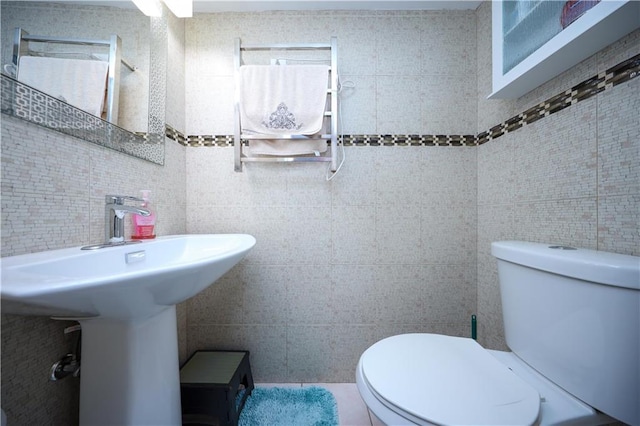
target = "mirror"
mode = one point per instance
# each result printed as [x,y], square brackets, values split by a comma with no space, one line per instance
[140,118]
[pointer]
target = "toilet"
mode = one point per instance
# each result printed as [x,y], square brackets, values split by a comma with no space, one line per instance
[572,323]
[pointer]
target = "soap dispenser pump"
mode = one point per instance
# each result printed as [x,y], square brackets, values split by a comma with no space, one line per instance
[144,226]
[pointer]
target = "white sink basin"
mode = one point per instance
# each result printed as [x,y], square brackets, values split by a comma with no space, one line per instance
[124,299]
[129,281]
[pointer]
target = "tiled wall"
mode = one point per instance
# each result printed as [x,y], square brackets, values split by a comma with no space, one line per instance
[570,178]
[174,114]
[543,180]
[388,246]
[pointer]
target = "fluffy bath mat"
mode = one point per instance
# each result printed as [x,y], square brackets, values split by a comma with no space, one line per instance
[306,406]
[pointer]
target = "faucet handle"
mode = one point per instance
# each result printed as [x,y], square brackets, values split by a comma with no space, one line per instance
[120,199]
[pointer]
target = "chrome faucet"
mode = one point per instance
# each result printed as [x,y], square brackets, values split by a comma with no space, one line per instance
[115,209]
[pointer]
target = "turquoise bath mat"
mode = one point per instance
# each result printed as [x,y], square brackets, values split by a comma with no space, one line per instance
[306,406]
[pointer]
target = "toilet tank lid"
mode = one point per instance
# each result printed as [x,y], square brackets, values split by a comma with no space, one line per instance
[602,267]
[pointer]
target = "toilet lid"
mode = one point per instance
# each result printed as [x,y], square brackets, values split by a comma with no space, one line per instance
[447,380]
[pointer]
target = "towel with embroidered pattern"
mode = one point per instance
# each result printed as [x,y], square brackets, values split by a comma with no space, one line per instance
[283,99]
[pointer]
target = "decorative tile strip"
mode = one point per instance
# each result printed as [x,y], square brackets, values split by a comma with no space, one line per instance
[409,140]
[534,113]
[497,131]
[514,123]
[620,73]
[588,88]
[483,138]
[558,102]
[624,71]
[615,75]
[348,140]
[174,134]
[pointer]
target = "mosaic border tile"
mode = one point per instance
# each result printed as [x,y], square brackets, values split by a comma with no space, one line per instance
[620,73]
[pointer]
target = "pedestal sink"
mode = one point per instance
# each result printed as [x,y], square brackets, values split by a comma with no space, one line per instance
[124,297]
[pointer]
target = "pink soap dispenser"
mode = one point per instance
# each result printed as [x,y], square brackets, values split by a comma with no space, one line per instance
[144,226]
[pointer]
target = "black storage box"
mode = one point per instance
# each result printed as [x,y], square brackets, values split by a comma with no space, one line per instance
[214,386]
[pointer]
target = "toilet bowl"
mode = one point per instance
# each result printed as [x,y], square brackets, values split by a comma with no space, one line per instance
[564,311]
[475,379]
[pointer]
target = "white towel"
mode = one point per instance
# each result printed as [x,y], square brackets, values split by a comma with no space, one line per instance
[283,99]
[287,147]
[79,82]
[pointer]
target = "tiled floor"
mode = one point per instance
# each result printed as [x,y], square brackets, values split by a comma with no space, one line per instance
[351,409]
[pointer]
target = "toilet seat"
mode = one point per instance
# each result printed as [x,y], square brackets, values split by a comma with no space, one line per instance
[436,379]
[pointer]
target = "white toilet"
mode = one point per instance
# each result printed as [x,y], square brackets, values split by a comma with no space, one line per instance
[572,320]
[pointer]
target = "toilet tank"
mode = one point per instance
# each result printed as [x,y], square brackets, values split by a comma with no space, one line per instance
[574,316]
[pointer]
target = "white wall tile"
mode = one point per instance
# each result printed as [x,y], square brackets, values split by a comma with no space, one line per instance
[447,105]
[618,129]
[397,242]
[358,104]
[496,170]
[618,224]
[448,44]
[398,101]
[398,45]
[309,353]
[398,172]
[556,157]
[355,184]
[448,229]
[209,109]
[309,295]
[353,234]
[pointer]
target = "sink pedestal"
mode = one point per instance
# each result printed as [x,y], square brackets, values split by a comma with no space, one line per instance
[130,372]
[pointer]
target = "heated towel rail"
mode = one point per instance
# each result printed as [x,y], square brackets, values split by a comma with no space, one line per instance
[21,48]
[331,113]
